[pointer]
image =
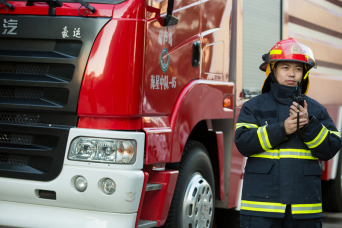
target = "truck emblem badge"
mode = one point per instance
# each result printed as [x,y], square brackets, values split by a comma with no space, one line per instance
[65,32]
[9,26]
[77,32]
[295,49]
[164,60]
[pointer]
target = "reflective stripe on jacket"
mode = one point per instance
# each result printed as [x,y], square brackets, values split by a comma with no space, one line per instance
[283,169]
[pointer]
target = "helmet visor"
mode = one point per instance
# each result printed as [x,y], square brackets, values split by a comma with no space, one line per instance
[293,52]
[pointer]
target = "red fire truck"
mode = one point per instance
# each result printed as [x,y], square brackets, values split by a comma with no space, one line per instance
[121,113]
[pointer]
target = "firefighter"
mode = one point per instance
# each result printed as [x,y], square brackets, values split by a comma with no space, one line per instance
[282,179]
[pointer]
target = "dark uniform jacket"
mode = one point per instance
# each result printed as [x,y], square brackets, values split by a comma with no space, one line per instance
[283,169]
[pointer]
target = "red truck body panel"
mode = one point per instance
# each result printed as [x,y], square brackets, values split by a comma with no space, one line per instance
[157,203]
[201,100]
[112,83]
[68,9]
[236,170]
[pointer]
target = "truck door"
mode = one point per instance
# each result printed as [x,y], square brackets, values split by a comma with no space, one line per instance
[168,54]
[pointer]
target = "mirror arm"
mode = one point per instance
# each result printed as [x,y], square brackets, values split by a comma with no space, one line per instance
[169,19]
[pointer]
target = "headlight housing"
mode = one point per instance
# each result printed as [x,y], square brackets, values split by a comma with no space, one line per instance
[116,151]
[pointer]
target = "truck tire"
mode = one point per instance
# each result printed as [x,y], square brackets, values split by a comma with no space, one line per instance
[193,202]
[332,191]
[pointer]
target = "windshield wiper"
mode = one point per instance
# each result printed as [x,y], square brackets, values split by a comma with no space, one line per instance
[8,5]
[86,5]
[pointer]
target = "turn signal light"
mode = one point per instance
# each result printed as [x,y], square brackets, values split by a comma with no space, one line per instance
[226,102]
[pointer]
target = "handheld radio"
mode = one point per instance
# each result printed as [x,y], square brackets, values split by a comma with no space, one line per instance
[299,99]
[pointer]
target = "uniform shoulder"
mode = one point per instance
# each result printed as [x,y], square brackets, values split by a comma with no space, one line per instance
[258,100]
[314,103]
[316,109]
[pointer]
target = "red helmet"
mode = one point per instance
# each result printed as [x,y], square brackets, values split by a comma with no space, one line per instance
[288,50]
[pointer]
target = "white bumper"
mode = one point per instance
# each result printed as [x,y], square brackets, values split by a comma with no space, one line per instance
[20,205]
[34,216]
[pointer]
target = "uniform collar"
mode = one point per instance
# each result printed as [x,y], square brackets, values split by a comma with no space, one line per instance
[283,94]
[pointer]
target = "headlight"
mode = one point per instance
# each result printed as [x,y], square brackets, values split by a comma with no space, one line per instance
[103,150]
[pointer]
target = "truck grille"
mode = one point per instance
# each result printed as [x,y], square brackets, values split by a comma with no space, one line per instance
[13,159]
[21,92]
[24,68]
[40,79]
[15,138]
[19,118]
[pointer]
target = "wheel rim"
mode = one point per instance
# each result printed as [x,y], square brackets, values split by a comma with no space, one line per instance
[198,203]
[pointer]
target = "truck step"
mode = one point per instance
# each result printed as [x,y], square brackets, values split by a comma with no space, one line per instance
[146,223]
[153,187]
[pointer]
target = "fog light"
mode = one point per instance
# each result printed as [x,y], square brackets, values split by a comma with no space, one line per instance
[108,186]
[81,184]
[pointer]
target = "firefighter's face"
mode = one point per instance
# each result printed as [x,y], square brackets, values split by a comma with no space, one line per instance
[289,73]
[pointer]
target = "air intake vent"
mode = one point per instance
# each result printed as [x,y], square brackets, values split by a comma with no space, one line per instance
[19,118]
[40,48]
[31,69]
[36,72]
[21,92]
[33,96]
[22,139]
[13,159]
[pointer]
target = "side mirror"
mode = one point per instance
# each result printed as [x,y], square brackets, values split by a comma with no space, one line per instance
[169,19]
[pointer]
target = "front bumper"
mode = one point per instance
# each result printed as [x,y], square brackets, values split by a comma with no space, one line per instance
[125,199]
[21,206]
[34,216]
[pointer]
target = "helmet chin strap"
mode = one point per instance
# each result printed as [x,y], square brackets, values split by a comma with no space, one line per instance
[303,79]
[272,76]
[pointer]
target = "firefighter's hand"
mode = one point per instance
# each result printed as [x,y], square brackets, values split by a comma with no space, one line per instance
[290,123]
[303,111]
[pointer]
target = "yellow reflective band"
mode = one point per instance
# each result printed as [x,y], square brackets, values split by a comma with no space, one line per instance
[299,157]
[266,137]
[286,153]
[275,52]
[306,208]
[262,206]
[262,203]
[307,212]
[335,133]
[307,205]
[262,209]
[247,125]
[319,138]
[306,75]
[270,154]
[296,153]
[263,138]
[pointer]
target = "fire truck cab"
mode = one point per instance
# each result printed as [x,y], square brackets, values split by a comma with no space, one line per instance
[114,113]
